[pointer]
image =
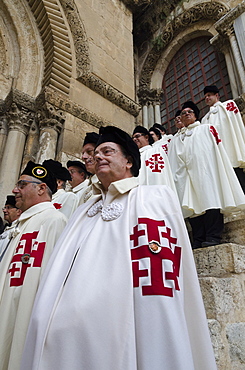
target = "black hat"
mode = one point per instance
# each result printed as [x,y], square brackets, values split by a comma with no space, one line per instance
[193,106]
[10,201]
[144,131]
[77,164]
[118,136]
[157,132]
[213,89]
[91,138]
[177,113]
[160,127]
[41,173]
[61,173]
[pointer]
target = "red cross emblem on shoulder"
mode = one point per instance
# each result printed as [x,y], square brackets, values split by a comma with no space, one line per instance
[155,162]
[231,107]
[165,147]
[214,132]
[29,253]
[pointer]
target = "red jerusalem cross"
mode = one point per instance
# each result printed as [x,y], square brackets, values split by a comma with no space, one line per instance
[156,162]
[155,268]
[27,245]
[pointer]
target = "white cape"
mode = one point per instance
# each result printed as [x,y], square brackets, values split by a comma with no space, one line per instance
[226,118]
[92,312]
[36,233]
[5,236]
[155,168]
[202,172]
[80,189]
[65,201]
[163,142]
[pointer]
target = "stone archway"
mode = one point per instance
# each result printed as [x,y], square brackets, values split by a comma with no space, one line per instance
[199,12]
[21,50]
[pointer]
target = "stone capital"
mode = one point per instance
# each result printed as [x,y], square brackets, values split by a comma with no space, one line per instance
[51,117]
[240,101]
[19,118]
[220,43]
[152,96]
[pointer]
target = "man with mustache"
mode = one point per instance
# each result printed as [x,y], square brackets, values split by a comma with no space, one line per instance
[32,241]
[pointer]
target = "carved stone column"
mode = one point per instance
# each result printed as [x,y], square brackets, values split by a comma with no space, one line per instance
[237,58]
[222,44]
[150,99]
[32,144]
[151,117]
[19,120]
[3,134]
[225,28]
[51,121]
[145,116]
[157,113]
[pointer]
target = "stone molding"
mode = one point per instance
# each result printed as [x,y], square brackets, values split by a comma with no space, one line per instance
[62,103]
[110,93]
[209,10]
[54,104]
[79,36]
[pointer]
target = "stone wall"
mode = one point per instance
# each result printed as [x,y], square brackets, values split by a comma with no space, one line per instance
[73,71]
[221,271]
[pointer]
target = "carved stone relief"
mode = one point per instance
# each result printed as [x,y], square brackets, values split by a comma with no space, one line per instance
[226,22]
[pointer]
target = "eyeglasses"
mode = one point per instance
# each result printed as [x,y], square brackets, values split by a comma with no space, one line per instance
[89,152]
[7,208]
[73,171]
[106,152]
[185,112]
[137,136]
[22,183]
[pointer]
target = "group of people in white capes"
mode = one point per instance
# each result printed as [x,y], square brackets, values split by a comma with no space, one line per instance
[121,289]
[207,174]
[117,287]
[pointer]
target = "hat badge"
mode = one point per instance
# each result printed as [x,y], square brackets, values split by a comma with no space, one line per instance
[39,172]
